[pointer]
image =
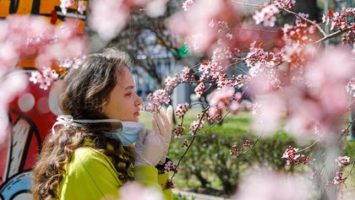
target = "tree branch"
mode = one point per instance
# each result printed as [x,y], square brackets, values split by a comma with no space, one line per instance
[307,20]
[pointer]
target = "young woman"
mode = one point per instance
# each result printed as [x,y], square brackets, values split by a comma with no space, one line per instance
[98,145]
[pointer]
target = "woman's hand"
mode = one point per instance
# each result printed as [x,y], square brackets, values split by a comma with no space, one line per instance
[163,124]
[152,146]
[148,149]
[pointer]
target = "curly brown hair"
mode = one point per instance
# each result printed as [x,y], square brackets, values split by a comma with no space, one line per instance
[87,89]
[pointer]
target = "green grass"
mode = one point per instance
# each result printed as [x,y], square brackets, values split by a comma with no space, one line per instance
[232,124]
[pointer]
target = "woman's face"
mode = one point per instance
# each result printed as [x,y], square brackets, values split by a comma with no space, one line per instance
[123,102]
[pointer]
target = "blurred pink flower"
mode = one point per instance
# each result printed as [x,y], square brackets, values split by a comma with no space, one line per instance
[327,84]
[339,178]
[266,15]
[196,125]
[178,131]
[187,4]
[214,114]
[343,161]
[12,83]
[268,111]
[108,17]
[159,97]
[194,25]
[45,77]
[170,167]
[181,110]
[155,8]
[292,156]
[199,89]
[288,4]
[221,97]
[170,83]
[81,6]
[315,98]
[187,75]
[350,88]
[136,191]
[271,186]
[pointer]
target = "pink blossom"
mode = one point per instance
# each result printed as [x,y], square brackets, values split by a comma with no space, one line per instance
[223,80]
[205,68]
[64,4]
[272,185]
[186,75]
[178,131]
[181,110]
[349,37]
[195,25]
[292,53]
[339,178]
[71,62]
[187,4]
[170,83]
[102,10]
[235,150]
[157,98]
[221,97]
[268,111]
[350,88]
[339,20]
[150,107]
[81,7]
[328,84]
[259,58]
[170,167]
[266,15]
[220,59]
[343,161]
[195,126]
[135,191]
[44,77]
[8,55]
[29,36]
[292,156]
[214,114]
[200,88]
[160,96]
[299,33]
[155,8]
[234,107]
[12,83]
[185,144]
[288,4]
[247,143]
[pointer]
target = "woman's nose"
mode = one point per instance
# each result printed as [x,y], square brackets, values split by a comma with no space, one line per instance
[139,101]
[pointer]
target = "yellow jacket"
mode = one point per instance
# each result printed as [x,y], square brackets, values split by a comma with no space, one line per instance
[91,175]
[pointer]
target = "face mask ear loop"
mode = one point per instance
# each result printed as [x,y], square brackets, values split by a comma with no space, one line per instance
[68,121]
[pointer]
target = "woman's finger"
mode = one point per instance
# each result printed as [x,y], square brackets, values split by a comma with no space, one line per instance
[157,124]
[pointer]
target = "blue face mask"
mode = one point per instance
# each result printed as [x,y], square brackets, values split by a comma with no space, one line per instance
[128,134]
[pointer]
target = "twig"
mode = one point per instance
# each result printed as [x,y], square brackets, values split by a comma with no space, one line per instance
[193,139]
[314,143]
[339,32]
[307,20]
